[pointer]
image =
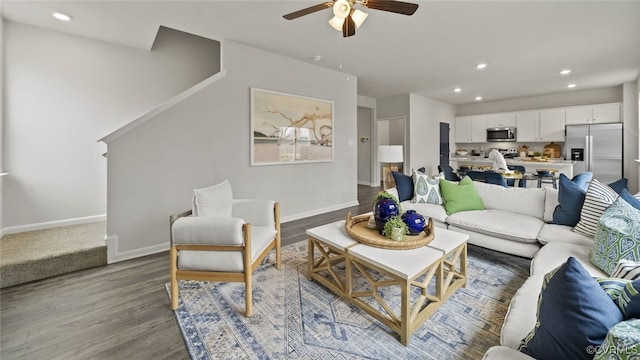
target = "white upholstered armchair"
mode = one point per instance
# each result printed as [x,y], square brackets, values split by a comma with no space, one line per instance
[223,239]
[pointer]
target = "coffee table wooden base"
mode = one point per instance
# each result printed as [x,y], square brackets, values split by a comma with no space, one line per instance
[335,260]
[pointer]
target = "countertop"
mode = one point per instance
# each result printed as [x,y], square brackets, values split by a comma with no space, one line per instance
[513,161]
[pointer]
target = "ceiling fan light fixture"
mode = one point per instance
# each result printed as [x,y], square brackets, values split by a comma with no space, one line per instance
[359,17]
[336,23]
[341,9]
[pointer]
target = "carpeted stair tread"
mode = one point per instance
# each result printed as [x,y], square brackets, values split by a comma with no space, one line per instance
[36,255]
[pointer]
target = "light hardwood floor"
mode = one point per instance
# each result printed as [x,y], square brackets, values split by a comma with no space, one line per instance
[119,311]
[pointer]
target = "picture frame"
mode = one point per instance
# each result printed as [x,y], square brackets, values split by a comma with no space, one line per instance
[290,129]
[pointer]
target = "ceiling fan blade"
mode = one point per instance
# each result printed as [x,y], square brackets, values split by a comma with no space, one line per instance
[348,27]
[307,11]
[398,7]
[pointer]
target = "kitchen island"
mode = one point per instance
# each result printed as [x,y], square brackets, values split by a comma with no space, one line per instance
[562,166]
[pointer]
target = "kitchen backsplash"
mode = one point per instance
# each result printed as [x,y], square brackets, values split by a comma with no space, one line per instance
[477,147]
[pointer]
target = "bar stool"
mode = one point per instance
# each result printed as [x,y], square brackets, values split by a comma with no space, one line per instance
[547,179]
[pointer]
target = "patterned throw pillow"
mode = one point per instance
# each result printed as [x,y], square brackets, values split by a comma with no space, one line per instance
[618,236]
[574,315]
[426,188]
[627,269]
[598,198]
[621,343]
[624,293]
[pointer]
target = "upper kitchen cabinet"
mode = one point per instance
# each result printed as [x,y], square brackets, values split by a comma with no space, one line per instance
[540,125]
[551,125]
[471,129]
[501,120]
[602,113]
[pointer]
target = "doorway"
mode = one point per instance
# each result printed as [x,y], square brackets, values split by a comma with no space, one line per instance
[444,143]
[390,131]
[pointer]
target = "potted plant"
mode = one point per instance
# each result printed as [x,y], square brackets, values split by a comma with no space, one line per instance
[385,206]
[395,228]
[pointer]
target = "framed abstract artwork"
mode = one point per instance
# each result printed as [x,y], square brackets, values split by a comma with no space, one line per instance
[290,129]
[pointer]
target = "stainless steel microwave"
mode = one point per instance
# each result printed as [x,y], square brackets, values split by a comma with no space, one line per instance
[501,134]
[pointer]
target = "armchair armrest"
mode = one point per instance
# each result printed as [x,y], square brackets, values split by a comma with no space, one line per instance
[207,230]
[256,212]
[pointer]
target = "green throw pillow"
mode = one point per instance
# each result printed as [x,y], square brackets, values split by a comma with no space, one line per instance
[621,343]
[460,197]
[617,236]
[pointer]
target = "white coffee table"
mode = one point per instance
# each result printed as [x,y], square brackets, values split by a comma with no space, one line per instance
[335,259]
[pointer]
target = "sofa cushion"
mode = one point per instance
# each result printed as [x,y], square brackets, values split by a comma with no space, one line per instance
[631,199]
[555,254]
[619,185]
[570,200]
[437,212]
[617,237]
[516,200]
[622,342]
[426,189]
[215,200]
[521,316]
[624,294]
[511,226]
[598,198]
[626,269]
[404,185]
[550,203]
[462,196]
[574,315]
[562,233]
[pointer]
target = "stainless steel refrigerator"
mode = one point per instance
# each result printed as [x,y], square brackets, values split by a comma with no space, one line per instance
[596,148]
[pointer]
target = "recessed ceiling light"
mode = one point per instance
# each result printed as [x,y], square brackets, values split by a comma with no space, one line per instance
[565,72]
[316,58]
[478,98]
[571,86]
[61,16]
[481,66]
[457,89]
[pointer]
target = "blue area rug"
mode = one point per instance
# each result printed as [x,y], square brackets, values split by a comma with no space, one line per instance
[295,318]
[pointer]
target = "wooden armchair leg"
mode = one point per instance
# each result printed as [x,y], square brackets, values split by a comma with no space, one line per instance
[174,279]
[248,296]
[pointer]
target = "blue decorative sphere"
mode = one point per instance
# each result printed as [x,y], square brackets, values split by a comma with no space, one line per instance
[383,210]
[414,221]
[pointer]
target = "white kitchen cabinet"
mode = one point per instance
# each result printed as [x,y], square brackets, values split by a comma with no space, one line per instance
[540,125]
[590,114]
[501,120]
[551,125]
[471,129]
[527,123]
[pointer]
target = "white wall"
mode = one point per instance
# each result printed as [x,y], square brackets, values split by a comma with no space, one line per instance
[364,147]
[567,98]
[1,124]
[424,131]
[630,135]
[205,139]
[63,93]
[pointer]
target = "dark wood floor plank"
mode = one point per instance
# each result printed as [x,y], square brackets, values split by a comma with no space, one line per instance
[119,311]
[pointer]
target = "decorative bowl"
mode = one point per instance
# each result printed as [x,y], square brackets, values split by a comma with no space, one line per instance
[543,172]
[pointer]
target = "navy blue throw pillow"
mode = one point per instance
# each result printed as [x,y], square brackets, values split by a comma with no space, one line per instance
[574,315]
[618,185]
[404,184]
[626,195]
[583,179]
[570,199]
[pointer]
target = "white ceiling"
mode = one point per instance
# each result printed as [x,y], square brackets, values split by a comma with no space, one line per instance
[525,43]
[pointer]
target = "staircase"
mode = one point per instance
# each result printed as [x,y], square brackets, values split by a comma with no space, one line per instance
[35,255]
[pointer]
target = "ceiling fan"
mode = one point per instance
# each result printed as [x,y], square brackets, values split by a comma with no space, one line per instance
[347,19]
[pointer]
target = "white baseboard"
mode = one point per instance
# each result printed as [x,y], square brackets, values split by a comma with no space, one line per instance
[368,183]
[114,255]
[318,211]
[52,224]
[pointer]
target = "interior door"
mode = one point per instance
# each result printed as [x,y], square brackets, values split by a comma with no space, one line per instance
[444,143]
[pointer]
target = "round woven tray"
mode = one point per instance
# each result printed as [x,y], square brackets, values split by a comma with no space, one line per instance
[356,228]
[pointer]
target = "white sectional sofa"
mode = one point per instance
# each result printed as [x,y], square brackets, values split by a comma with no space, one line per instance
[515,221]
